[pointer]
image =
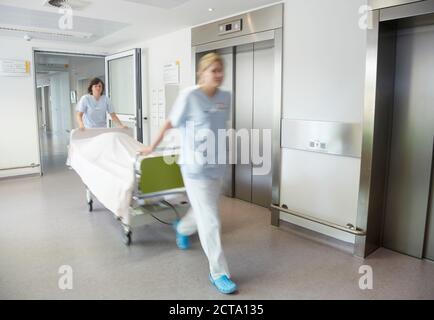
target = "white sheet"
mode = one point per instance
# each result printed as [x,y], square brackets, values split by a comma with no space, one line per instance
[104,159]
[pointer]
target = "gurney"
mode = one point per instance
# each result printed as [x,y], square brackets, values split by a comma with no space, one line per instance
[137,189]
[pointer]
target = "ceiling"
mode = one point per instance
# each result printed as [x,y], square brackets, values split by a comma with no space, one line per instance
[41,24]
[112,23]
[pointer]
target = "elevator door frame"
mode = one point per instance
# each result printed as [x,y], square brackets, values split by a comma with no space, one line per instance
[277,36]
[370,212]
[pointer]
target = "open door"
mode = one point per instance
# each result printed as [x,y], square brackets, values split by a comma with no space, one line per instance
[123,87]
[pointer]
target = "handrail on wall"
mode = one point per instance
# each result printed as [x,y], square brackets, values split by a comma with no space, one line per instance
[349,228]
[32,165]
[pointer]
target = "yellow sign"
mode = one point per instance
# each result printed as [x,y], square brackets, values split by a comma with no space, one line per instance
[14,68]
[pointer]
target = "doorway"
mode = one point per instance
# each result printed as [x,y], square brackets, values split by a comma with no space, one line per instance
[61,79]
[253,75]
[411,142]
[401,190]
[249,74]
[124,88]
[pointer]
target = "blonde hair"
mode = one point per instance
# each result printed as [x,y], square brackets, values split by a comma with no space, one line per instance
[206,61]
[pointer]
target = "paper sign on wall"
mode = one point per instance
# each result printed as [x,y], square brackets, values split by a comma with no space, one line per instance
[171,73]
[14,68]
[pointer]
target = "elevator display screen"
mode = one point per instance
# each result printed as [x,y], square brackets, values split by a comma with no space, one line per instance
[230,27]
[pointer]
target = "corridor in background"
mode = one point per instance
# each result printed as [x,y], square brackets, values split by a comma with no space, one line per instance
[61,80]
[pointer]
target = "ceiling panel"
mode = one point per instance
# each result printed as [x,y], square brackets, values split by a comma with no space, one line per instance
[47,23]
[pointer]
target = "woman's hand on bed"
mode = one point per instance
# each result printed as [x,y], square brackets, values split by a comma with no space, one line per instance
[146,150]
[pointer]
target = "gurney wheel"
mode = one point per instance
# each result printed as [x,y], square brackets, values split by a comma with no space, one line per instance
[127,238]
[90,203]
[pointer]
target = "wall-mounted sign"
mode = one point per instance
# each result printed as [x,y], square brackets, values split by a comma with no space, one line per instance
[44,67]
[14,68]
[171,73]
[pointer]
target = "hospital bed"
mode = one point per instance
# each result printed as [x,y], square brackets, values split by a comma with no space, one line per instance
[153,186]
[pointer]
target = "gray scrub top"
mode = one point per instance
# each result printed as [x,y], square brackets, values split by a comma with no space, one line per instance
[194,113]
[95,112]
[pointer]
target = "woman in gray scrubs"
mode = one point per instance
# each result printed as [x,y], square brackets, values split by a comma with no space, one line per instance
[202,108]
[93,107]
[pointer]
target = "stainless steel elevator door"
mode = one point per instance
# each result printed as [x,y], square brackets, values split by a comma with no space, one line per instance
[263,101]
[243,118]
[412,143]
[254,71]
[227,85]
[249,74]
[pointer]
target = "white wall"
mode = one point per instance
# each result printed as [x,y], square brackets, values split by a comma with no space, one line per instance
[19,144]
[324,60]
[324,67]
[18,132]
[156,53]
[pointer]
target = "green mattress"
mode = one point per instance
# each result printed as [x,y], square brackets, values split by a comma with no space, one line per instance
[157,175]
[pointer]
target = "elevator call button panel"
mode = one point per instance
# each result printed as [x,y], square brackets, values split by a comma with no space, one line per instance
[230,27]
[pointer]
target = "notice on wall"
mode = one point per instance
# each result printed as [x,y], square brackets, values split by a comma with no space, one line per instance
[171,73]
[14,68]
[162,100]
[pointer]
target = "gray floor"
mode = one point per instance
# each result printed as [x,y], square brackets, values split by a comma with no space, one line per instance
[44,224]
[54,146]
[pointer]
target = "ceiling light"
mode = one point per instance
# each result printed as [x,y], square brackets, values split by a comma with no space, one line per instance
[210,9]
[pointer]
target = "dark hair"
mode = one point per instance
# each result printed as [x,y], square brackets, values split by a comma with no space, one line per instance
[93,82]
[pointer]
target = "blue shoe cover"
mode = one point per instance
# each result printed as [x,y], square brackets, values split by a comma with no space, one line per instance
[182,241]
[224,284]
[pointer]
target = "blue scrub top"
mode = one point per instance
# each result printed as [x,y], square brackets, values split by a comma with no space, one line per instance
[95,112]
[197,116]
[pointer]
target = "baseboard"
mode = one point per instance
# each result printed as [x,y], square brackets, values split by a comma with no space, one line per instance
[21,176]
[317,237]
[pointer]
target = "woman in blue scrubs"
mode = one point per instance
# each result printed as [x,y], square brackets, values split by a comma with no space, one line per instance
[202,108]
[93,107]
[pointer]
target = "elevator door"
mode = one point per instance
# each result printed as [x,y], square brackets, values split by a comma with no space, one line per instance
[249,71]
[407,207]
[263,100]
[243,119]
[254,70]
[227,85]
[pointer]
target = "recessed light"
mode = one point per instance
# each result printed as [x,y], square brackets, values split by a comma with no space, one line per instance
[210,9]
